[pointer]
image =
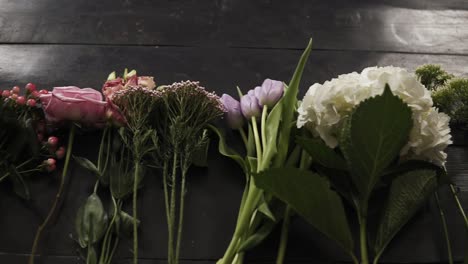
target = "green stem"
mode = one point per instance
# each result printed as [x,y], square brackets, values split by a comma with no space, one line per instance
[27,171]
[101,149]
[284,236]
[459,205]
[244,137]
[4,176]
[363,239]
[171,259]
[104,252]
[57,197]
[135,216]
[263,124]
[181,215]
[166,202]
[444,225]
[258,145]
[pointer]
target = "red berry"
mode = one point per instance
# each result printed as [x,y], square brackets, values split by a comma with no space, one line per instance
[31,102]
[35,94]
[21,100]
[50,161]
[5,93]
[60,153]
[15,90]
[51,168]
[52,141]
[30,87]
[43,91]
[14,96]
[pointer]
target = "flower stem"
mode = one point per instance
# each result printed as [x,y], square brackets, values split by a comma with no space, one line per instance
[263,124]
[171,255]
[462,213]
[135,221]
[258,144]
[363,239]
[57,197]
[444,224]
[181,214]
[244,137]
[168,214]
[284,236]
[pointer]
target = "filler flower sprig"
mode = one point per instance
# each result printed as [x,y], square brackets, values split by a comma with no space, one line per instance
[180,120]
[137,104]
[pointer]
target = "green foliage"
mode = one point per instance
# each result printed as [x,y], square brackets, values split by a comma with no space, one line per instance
[432,76]
[310,196]
[452,99]
[91,221]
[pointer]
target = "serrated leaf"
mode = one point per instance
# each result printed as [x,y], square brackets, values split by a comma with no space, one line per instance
[408,192]
[87,164]
[373,137]
[321,153]
[311,197]
[227,151]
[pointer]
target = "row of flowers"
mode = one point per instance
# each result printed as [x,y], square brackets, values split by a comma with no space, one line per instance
[349,138]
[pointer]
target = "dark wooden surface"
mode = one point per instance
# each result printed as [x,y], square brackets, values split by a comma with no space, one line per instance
[223,44]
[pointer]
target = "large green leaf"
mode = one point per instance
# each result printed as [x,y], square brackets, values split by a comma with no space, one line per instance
[321,153]
[373,137]
[91,221]
[289,102]
[87,164]
[310,196]
[121,178]
[408,192]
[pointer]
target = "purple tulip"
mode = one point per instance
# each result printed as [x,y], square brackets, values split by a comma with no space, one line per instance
[270,92]
[234,116]
[250,106]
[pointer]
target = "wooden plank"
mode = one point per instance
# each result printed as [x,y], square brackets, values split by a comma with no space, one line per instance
[214,193]
[404,26]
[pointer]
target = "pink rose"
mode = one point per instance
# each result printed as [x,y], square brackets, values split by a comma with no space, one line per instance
[70,103]
[147,81]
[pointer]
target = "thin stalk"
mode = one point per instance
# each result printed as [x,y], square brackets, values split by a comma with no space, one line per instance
[244,137]
[263,124]
[104,252]
[258,145]
[181,214]
[284,236]
[166,202]
[444,224]
[4,176]
[27,171]
[135,221]
[363,239]
[57,197]
[101,149]
[172,209]
[459,205]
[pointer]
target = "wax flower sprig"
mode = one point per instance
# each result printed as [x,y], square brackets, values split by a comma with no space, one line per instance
[180,119]
[136,102]
[269,111]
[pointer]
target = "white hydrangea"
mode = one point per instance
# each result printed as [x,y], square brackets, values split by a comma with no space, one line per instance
[325,106]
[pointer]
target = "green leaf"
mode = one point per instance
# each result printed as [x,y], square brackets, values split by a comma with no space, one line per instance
[227,151]
[408,192]
[321,153]
[91,221]
[264,209]
[311,197]
[120,179]
[271,132]
[289,102]
[87,164]
[111,76]
[126,223]
[373,137]
[91,256]
[257,237]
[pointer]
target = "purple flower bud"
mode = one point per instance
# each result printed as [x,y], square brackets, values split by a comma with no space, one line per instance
[270,92]
[249,105]
[234,116]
